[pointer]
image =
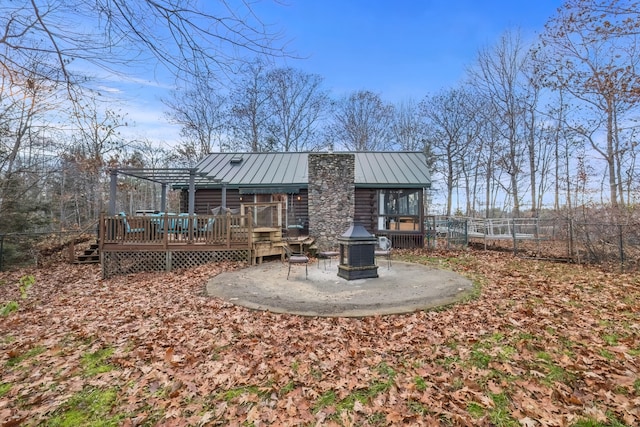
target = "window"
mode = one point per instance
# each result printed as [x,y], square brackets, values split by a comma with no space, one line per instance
[399,210]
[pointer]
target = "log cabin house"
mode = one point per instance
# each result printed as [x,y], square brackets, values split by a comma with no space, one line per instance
[247,204]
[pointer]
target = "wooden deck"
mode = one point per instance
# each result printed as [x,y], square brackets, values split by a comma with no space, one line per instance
[129,244]
[177,232]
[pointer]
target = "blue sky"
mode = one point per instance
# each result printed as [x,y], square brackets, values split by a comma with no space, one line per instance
[399,49]
[403,48]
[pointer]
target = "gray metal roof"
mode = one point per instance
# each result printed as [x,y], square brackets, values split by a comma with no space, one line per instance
[289,170]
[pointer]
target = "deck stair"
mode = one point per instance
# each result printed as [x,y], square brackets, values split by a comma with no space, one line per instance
[89,256]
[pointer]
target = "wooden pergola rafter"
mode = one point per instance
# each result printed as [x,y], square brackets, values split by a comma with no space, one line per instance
[176,177]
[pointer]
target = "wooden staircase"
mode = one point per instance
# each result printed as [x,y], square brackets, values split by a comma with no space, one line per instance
[89,256]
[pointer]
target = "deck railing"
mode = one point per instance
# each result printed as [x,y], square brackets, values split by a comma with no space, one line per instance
[176,229]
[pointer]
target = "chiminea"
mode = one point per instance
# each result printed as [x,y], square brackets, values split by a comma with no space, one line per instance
[357,254]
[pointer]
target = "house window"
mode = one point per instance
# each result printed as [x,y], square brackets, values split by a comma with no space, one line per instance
[399,210]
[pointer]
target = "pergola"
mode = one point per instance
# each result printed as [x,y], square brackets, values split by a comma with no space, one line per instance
[176,177]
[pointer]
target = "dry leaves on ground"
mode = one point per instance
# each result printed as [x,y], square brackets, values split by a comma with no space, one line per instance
[543,345]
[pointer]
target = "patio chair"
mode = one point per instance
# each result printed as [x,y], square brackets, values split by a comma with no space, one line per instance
[127,226]
[296,258]
[384,249]
[205,228]
[207,225]
[327,255]
[172,223]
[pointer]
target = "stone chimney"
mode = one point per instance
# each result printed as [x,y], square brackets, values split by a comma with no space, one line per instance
[331,196]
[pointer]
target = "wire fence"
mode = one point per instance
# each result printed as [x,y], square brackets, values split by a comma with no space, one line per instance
[611,245]
[608,244]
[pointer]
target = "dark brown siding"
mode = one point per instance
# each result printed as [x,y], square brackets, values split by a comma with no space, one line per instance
[366,209]
[207,199]
[299,209]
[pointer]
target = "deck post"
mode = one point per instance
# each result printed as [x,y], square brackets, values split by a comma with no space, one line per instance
[165,231]
[223,203]
[250,237]
[113,184]
[192,191]
[101,231]
[228,229]
[163,197]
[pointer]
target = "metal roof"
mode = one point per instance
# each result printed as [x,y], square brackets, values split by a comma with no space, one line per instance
[403,169]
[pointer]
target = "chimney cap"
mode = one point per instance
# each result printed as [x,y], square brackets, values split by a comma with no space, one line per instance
[357,232]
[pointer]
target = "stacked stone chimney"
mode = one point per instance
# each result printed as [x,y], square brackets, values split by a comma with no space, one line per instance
[331,196]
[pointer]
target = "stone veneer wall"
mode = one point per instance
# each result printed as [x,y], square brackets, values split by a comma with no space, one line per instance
[331,196]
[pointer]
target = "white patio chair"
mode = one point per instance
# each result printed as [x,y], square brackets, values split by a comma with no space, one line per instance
[384,249]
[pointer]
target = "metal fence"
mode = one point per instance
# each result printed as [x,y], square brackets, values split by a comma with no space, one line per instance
[612,245]
[609,244]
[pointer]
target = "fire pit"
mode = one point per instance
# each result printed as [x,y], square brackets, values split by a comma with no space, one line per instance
[357,254]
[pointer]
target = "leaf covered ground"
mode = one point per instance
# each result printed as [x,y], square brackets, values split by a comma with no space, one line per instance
[541,344]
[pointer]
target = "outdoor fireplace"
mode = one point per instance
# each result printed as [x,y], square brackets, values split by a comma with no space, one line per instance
[357,254]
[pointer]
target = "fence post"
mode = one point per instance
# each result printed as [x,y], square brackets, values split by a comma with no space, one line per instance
[571,247]
[621,248]
[513,233]
[71,254]
[466,232]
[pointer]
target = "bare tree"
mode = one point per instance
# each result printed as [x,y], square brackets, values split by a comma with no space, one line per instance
[590,50]
[96,144]
[534,137]
[249,112]
[201,112]
[450,118]
[408,129]
[498,76]
[185,38]
[488,151]
[362,122]
[26,101]
[296,102]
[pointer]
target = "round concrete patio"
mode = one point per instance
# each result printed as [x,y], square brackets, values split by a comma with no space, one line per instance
[403,288]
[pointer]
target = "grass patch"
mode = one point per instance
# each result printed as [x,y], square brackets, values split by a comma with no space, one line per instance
[24,284]
[475,410]
[380,385]
[606,354]
[448,361]
[4,388]
[90,407]
[418,408]
[328,398]
[612,421]
[377,419]
[17,360]
[553,372]
[234,393]
[96,363]
[288,387]
[610,339]
[9,308]
[544,356]
[480,359]
[500,415]
[421,384]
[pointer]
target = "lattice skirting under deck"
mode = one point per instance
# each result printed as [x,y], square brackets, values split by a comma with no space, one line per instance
[117,263]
